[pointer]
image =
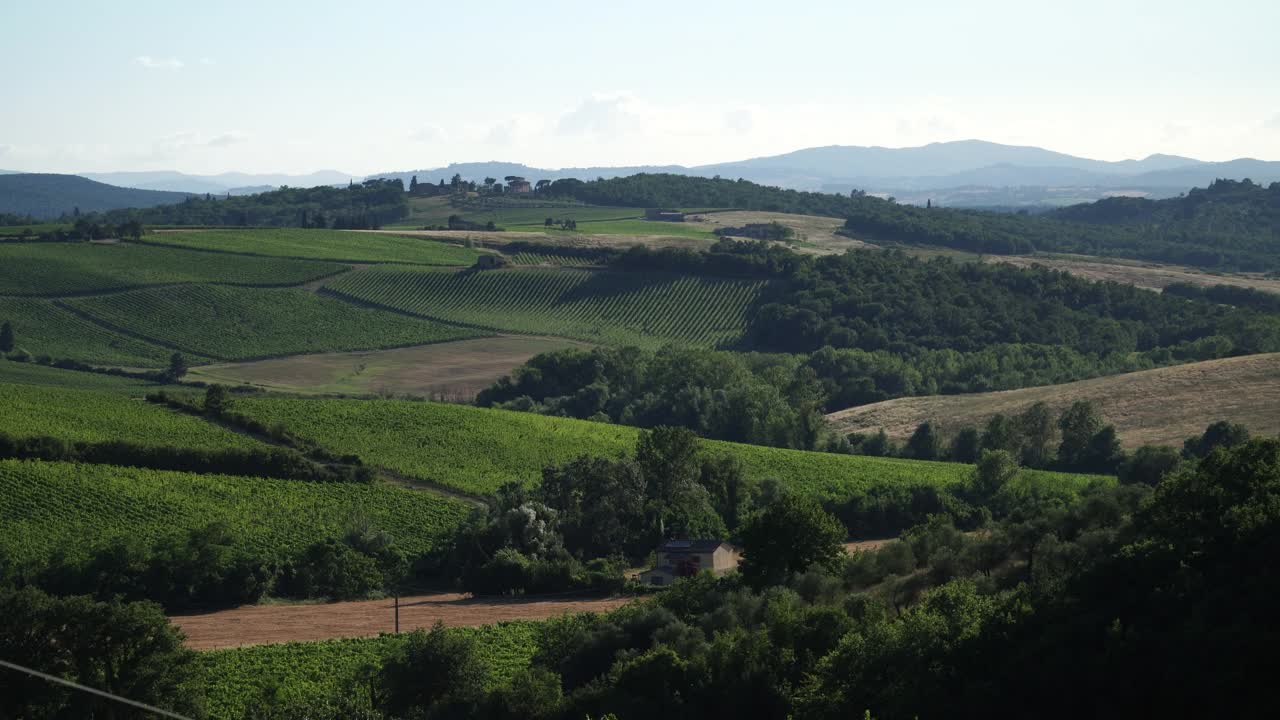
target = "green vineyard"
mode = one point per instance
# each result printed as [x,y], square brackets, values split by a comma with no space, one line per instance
[478,449]
[305,670]
[534,258]
[44,329]
[90,416]
[335,245]
[231,323]
[59,269]
[51,506]
[642,309]
[30,373]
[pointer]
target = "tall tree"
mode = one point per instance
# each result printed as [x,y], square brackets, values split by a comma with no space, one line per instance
[177,366]
[6,337]
[789,536]
[1079,423]
[924,443]
[1035,424]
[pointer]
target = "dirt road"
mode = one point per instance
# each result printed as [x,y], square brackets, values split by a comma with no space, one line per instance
[262,624]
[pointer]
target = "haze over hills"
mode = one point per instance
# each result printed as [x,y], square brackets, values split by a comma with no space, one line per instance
[234,182]
[44,195]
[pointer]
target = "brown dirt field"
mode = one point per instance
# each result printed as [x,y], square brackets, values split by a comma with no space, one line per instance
[866,545]
[1162,406]
[264,624]
[451,370]
[1145,275]
[814,233]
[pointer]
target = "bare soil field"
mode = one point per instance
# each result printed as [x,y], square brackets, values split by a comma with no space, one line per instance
[452,370]
[1146,275]
[1162,406]
[264,624]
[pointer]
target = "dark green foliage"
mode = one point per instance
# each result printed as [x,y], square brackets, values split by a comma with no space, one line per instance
[177,367]
[366,205]
[1219,434]
[126,649]
[6,337]
[434,674]
[217,400]
[334,569]
[787,537]
[924,444]
[965,446]
[1149,464]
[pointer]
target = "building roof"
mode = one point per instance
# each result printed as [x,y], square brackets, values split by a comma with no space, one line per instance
[692,545]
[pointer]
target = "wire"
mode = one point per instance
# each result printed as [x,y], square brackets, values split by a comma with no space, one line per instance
[94,691]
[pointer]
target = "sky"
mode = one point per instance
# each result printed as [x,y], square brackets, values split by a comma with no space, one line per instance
[281,86]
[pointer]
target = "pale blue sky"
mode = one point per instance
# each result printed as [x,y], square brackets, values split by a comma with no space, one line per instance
[272,86]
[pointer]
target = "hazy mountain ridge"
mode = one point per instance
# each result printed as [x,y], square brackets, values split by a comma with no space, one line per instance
[47,195]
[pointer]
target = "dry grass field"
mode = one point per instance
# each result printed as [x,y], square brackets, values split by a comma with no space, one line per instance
[814,234]
[1142,274]
[452,370]
[263,624]
[1163,406]
[572,239]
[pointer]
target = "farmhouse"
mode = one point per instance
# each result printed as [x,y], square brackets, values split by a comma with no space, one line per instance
[519,186]
[685,558]
[490,262]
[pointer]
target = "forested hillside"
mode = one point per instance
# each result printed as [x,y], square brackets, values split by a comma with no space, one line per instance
[45,196]
[367,205]
[1230,225]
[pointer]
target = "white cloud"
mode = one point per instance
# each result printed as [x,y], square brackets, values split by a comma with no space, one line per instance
[1273,123]
[225,139]
[154,63]
[5,149]
[206,61]
[603,115]
[429,134]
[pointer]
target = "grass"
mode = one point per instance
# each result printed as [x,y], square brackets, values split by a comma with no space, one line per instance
[1161,406]
[628,226]
[100,416]
[60,269]
[293,672]
[478,449]
[507,212]
[43,329]
[27,373]
[48,506]
[642,309]
[334,245]
[232,323]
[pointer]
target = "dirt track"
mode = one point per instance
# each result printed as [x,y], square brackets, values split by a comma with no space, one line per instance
[263,624]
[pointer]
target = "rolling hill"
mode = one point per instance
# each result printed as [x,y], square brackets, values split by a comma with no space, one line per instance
[1162,406]
[50,196]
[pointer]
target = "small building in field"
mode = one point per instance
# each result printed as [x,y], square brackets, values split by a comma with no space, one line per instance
[663,215]
[489,261]
[519,186]
[686,558]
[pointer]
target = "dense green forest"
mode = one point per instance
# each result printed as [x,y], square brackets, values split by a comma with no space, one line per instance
[49,196]
[358,206]
[1229,225]
[838,331]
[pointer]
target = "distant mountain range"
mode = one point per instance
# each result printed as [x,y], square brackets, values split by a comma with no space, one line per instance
[235,183]
[970,173]
[966,172]
[45,195]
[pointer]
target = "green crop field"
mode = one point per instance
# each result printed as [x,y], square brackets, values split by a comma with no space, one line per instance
[44,329]
[56,269]
[46,506]
[298,671]
[643,309]
[97,416]
[27,373]
[335,245]
[478,449]
[231,323]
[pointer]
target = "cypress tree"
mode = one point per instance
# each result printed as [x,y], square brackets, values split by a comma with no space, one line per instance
[6,337]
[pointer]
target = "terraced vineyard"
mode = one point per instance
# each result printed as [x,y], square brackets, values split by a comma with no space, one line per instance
[45,506]
[58,269]
[42,328]
[95,416]
[300,671]
[335,245]
[535,258]
[478,449]
[643,309]
[232,323]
